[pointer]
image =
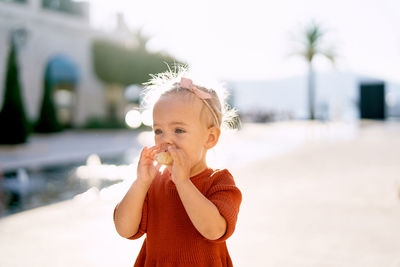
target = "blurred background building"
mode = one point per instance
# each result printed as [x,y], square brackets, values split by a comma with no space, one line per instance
[91,79]
[56,35]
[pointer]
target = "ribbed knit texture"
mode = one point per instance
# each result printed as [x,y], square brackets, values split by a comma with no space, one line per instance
[171,239]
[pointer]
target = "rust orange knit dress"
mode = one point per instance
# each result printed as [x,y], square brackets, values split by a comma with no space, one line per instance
[171,238]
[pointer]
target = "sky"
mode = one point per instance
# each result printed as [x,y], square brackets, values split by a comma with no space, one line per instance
[254,40]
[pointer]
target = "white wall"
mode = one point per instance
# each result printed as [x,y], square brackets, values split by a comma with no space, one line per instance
[50,33]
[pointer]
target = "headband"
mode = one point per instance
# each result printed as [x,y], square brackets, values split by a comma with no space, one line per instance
[188,84]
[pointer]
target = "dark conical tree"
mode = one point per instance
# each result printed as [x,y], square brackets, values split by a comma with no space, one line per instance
[15,128]
[48,122]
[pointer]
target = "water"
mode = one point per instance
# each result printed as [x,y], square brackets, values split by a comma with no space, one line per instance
[23,190]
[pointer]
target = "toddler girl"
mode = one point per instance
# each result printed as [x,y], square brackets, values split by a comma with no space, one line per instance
[187,210]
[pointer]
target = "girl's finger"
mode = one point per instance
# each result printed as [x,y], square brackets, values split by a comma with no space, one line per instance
[147,155]
[147,151]
[154,147]
[154,150]
[158,166]
[177,154]
[143,152]
[169,168]
[144,149]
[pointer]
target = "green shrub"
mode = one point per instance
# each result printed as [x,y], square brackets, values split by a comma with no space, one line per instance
[48,121]
[15,127]
[115,64]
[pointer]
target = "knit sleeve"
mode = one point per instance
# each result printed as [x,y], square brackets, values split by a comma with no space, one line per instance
[224,194]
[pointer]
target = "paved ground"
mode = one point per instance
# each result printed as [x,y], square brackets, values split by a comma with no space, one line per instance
[327,204]
[329,197]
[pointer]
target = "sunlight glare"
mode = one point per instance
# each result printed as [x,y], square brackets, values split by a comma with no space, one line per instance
[133,119]
[147,118]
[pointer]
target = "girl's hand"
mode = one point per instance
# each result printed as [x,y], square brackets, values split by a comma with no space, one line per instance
[146,170]
[180,168]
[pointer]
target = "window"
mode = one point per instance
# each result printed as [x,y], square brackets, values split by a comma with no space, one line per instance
[65,6]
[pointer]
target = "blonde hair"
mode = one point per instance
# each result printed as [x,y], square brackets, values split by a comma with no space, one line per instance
[218,111]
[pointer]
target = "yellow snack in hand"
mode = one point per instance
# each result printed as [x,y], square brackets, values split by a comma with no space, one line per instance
[164,158]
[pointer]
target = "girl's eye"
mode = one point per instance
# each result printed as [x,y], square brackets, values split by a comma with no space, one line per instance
[179,131]
[157,131]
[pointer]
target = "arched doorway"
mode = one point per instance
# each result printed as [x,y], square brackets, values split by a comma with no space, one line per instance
[62,74]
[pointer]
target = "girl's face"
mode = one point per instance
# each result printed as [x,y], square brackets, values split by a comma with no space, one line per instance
[177,122]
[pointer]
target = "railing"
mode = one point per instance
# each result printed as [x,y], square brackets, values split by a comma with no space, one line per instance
[15,1]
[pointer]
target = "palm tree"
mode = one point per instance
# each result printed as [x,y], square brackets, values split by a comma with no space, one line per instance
[312,44]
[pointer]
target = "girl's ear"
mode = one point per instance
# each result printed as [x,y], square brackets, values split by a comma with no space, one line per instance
[213,137]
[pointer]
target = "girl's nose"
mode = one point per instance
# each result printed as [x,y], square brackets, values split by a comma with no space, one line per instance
[166,139]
